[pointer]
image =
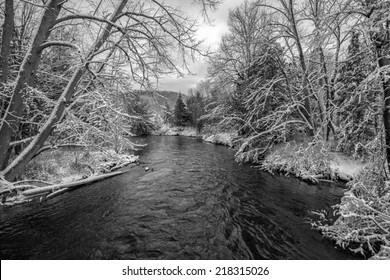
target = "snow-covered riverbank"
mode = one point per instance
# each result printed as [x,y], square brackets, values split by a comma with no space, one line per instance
[62,166]
[289,158]
[220,138]
[311,161]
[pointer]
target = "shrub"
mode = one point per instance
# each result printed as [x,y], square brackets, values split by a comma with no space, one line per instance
[363,223]
[306,160]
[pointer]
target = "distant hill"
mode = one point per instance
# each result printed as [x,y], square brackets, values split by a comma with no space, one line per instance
[157,100]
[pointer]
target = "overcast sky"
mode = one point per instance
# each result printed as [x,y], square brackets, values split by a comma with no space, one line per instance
[211,34]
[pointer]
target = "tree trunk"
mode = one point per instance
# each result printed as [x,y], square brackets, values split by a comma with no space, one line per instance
[8,28]
[305,83]
[383,62]
[324,81]
[6,37]
[13,113]
[28,153]
[382,44]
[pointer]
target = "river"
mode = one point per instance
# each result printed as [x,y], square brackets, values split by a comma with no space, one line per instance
[195,202]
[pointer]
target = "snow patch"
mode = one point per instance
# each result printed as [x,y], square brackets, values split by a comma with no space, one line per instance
[346,168]
[223,138]
[176,131]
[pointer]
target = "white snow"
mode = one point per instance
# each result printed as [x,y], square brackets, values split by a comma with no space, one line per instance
[346,168]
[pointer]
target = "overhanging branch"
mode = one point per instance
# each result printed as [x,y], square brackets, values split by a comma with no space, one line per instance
[60,43]
[94,18]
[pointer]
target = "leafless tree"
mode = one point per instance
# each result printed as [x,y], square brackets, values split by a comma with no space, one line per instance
[146,35]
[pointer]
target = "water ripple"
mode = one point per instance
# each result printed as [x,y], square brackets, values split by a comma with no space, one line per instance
[197,203]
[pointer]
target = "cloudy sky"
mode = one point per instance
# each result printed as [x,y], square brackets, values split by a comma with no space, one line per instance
[211,34]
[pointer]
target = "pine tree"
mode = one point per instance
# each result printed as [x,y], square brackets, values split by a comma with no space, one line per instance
[181,114]
[355,116]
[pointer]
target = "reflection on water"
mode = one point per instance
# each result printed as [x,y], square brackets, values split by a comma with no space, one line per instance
[197,203]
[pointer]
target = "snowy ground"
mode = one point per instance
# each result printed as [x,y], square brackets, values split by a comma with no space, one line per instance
[67,165]
[175,131]
[346,168]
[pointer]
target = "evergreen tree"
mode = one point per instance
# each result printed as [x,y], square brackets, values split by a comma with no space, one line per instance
[181,114]
[135,106]
[356,118]
[196,109]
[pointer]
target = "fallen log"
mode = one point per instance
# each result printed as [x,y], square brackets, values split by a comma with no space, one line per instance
[54,194]
[69,185]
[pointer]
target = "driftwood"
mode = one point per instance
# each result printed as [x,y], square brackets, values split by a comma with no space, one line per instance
[68,186]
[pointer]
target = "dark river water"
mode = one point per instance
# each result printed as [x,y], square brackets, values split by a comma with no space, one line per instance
[197,203]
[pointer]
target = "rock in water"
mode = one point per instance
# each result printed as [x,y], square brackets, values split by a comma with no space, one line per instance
[146,168]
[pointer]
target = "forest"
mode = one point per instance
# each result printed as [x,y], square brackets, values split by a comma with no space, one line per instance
[292,82]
